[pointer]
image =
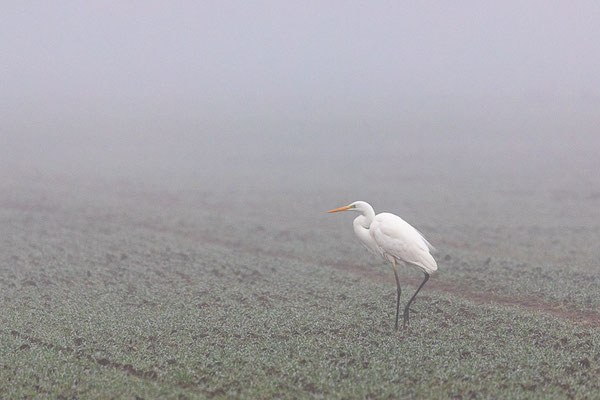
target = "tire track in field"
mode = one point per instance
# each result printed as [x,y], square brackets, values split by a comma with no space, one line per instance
[105,362]
[456,289]
[80,354]
[450,287]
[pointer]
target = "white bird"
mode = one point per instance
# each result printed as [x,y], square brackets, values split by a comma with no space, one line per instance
[396,241]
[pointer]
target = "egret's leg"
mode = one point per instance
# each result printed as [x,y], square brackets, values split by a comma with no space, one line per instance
[406,309]
[398,292]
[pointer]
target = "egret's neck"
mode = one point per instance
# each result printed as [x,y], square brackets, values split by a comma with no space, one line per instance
[362,223]
[365,218]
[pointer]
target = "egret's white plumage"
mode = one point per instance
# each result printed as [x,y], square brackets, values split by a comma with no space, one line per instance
[396,238]
[393,239]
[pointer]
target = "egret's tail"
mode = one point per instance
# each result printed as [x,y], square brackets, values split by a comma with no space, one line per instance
[429,264]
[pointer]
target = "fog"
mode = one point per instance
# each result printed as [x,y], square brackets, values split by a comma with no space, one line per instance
[280,95]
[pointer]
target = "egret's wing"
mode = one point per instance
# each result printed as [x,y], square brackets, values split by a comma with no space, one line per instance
[398,238]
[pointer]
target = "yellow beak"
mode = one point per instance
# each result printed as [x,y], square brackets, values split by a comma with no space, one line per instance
[339,209]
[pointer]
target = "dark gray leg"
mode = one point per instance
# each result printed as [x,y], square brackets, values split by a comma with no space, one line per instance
[406,309]
[398,292]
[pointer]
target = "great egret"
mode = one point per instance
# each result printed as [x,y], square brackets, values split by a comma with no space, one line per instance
[396,241]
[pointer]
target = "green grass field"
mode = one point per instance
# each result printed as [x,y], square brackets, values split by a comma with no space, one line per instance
[113,291]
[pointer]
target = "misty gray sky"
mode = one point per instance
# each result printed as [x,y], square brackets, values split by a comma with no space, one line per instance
[311,73]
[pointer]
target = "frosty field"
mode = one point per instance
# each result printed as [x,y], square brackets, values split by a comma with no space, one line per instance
[119,288]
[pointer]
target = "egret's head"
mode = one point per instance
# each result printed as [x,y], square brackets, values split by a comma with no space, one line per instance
[356,206]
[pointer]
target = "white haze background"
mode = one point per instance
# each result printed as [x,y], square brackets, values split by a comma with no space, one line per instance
[277,95]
